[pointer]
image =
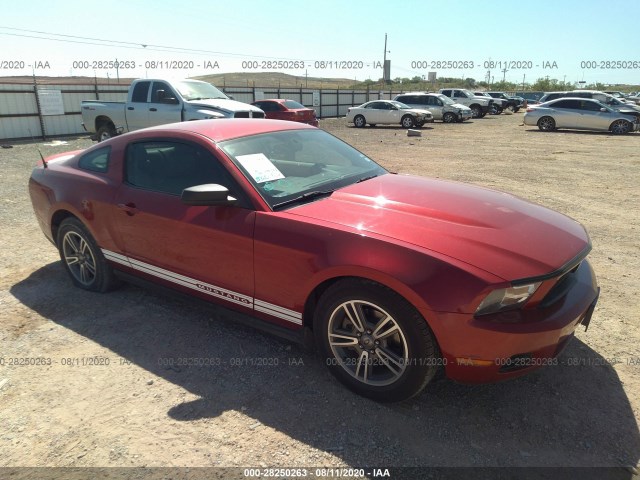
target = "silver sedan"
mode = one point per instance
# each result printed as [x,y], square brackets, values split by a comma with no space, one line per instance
[581,114]
[388,112]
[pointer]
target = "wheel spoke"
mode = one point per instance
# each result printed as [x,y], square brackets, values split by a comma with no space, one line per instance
[90,267]
[71,241]
[342,340]
[390,360]
[355,315]
[385,328]
[84,275]
[71,259]
[363,364]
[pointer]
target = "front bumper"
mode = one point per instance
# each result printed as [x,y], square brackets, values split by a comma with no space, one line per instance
[480,350]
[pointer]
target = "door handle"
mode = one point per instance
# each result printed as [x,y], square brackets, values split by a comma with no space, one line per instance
[153,109]
[129,208]
[130,108]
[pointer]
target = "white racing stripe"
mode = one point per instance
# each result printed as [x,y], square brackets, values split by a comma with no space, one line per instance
[213,290]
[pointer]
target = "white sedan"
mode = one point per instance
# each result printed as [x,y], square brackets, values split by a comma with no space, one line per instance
[388,112]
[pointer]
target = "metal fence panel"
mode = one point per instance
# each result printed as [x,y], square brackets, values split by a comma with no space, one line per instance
[20,116]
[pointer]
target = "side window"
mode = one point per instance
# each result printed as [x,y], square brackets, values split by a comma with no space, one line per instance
[591,106]
[170,167]
[140,92]
[446,92]
[96,161]
[574,104]
[376,105]
[160,92]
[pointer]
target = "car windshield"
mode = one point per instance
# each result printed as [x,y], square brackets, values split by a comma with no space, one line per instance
[467,93]
[198,90]
[295,164]
[446,100]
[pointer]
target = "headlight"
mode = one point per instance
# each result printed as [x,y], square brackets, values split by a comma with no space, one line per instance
[506,298]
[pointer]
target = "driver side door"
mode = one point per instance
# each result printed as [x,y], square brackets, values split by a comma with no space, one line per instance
[206,249]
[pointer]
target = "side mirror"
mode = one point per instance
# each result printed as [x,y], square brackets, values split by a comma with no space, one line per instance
[209,194]
[602,109]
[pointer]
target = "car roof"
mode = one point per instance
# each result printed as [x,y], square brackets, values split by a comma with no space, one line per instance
[223,129]
[277,100]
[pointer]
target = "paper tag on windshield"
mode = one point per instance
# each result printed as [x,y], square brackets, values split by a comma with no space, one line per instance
[260,167]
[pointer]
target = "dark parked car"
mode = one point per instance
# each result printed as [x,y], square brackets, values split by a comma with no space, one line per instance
[394,276]
[513,103]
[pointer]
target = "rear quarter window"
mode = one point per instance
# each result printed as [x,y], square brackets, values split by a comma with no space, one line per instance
[96,161]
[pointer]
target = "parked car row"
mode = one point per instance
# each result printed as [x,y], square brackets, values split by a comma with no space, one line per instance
[582,114]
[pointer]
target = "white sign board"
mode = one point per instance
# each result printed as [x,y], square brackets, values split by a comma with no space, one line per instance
[50,102]
[316,98]
[260,167]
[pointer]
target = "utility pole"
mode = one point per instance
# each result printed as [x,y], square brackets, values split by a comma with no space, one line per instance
[384,60]
[504,74]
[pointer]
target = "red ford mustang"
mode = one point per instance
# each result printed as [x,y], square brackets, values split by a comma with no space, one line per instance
[282,109]
[395,276]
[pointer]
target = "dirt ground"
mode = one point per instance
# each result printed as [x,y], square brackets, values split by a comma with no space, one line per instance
[85,378]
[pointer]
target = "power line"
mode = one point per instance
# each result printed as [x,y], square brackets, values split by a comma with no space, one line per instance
[130,45]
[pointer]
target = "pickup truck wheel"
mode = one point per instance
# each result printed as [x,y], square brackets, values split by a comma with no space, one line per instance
[476,111]
[449,117]
[82,258]
[105,132]
[359,121]
[495,110]
[374,341]
[408,121]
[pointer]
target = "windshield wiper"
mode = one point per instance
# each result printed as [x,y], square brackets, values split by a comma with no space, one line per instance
[364,179]
[304,197]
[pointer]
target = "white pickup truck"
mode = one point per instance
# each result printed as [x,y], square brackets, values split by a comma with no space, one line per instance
[153,102]
[480,106]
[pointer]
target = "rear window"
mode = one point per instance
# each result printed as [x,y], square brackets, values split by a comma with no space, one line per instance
[96,161]
[293,105]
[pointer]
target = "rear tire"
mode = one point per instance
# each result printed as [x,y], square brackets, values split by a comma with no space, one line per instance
[359,121]
[476,111]
[374,341]
[105,132]
[82,258]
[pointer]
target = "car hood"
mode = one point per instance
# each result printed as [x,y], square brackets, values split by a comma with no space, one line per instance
[460,106]
[225,104]
[495,231]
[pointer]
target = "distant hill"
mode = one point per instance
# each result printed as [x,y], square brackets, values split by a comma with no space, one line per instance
[273,79]
[238,79]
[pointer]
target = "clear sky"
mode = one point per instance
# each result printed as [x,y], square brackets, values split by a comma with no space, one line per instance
[590,40]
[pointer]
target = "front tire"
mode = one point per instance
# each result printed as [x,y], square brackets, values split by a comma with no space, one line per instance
[359,121]
[374,341]
[620,127]
[82,258]
[547,124]
[408,121]
[476,111]
[449,117]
